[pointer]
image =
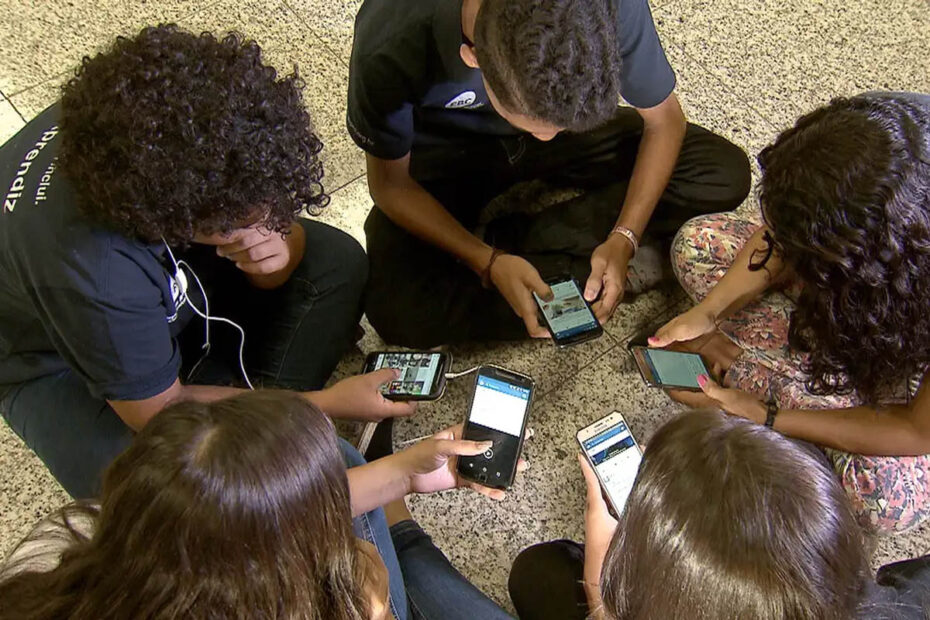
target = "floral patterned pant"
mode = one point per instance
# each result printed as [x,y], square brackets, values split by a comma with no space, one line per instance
[889,494]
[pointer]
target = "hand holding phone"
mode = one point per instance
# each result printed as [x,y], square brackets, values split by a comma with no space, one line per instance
[360,398]
[422,373]
[518,281]
[614,456]
[432,463]
[567,315]
[499,410]
[673,370]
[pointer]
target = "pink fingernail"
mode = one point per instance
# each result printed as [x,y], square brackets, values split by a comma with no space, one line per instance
[702,380]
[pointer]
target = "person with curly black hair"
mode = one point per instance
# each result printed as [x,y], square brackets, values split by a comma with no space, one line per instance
[165,184]
[455,102]
[836,352]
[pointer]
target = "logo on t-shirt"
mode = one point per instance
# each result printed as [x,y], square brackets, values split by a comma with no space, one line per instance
[465,100]
[178,292]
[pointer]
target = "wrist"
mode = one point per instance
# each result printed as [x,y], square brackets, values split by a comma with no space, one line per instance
[478,260]
[320,399]
[625,244]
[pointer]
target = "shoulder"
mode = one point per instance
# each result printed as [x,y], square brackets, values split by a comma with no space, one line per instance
[392,29]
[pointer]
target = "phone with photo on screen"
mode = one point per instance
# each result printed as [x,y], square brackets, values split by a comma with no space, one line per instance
[672,370]
[614,455]
[500,406]
[568,316]
[423,373]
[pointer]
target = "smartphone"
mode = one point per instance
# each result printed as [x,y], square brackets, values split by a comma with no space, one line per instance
[614,455]
[568,315]
[500,406]
[423,374]
[669,369]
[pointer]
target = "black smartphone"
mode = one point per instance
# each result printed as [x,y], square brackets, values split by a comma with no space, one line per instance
[423,373]
[675,370]
[500,406]
[568,315]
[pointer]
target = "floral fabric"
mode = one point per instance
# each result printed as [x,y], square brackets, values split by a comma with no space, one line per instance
[889,494]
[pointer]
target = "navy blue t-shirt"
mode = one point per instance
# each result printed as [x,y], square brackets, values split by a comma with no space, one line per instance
[73,294]
[408,83]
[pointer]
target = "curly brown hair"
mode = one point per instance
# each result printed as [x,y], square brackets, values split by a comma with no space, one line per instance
[554,60]
[170,134]
[846,192]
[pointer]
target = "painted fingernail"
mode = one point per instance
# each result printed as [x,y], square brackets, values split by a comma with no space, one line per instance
[702,380]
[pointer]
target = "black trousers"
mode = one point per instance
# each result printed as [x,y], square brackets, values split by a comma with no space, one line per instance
[547,582]
[419,296]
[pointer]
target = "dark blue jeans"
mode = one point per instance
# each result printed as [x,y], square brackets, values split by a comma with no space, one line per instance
[295,336]
[423,584]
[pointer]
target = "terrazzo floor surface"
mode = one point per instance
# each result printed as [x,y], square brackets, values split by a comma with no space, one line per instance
[746,69]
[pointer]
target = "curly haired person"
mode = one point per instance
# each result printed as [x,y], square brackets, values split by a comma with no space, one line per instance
[165,184]
[456,102]
[828,299]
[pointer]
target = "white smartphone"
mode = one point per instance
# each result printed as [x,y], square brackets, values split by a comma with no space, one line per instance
[615,456]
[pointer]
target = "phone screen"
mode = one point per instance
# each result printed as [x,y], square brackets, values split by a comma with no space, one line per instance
[567,313]
[418,372]
[675,368]
[498,413]
[616,458]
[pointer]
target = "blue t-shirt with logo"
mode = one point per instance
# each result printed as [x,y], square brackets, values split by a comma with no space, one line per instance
[408,84]
[74,294]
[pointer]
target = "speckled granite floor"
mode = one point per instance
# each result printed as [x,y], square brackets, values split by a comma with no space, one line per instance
[746,68]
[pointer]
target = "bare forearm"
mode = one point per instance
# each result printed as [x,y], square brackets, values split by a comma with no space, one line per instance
[655,162]
[739,285]
[377,483]
[886,431]
[412,208]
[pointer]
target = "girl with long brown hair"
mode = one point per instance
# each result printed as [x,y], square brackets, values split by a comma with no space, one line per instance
[240,508]
[727,520]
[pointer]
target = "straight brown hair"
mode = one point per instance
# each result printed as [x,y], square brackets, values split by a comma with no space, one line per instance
[232,509]
[730,520]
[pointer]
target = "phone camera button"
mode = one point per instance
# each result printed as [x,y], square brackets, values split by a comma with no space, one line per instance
[489,453]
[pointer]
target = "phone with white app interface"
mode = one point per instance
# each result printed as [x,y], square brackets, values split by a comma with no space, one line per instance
[614,455]
[500,406]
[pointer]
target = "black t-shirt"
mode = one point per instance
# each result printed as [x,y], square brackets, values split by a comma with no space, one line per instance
[408,83]
[73,294]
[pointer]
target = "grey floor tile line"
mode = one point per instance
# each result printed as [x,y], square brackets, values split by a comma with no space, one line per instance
[204,7]
[346,184]
[333,52]
[15,109]
[58,77]
[597,356]
[667,41]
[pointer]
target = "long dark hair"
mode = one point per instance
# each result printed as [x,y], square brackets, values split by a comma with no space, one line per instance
[233,509]
[846,192]
[730,520]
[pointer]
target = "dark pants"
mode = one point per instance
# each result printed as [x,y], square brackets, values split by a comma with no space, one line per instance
[547,582]
[419,296]
[295,336]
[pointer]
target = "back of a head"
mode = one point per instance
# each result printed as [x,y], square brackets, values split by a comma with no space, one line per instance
[730,520]
[846,192]
[553,60]
[169,134]
[237,508]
